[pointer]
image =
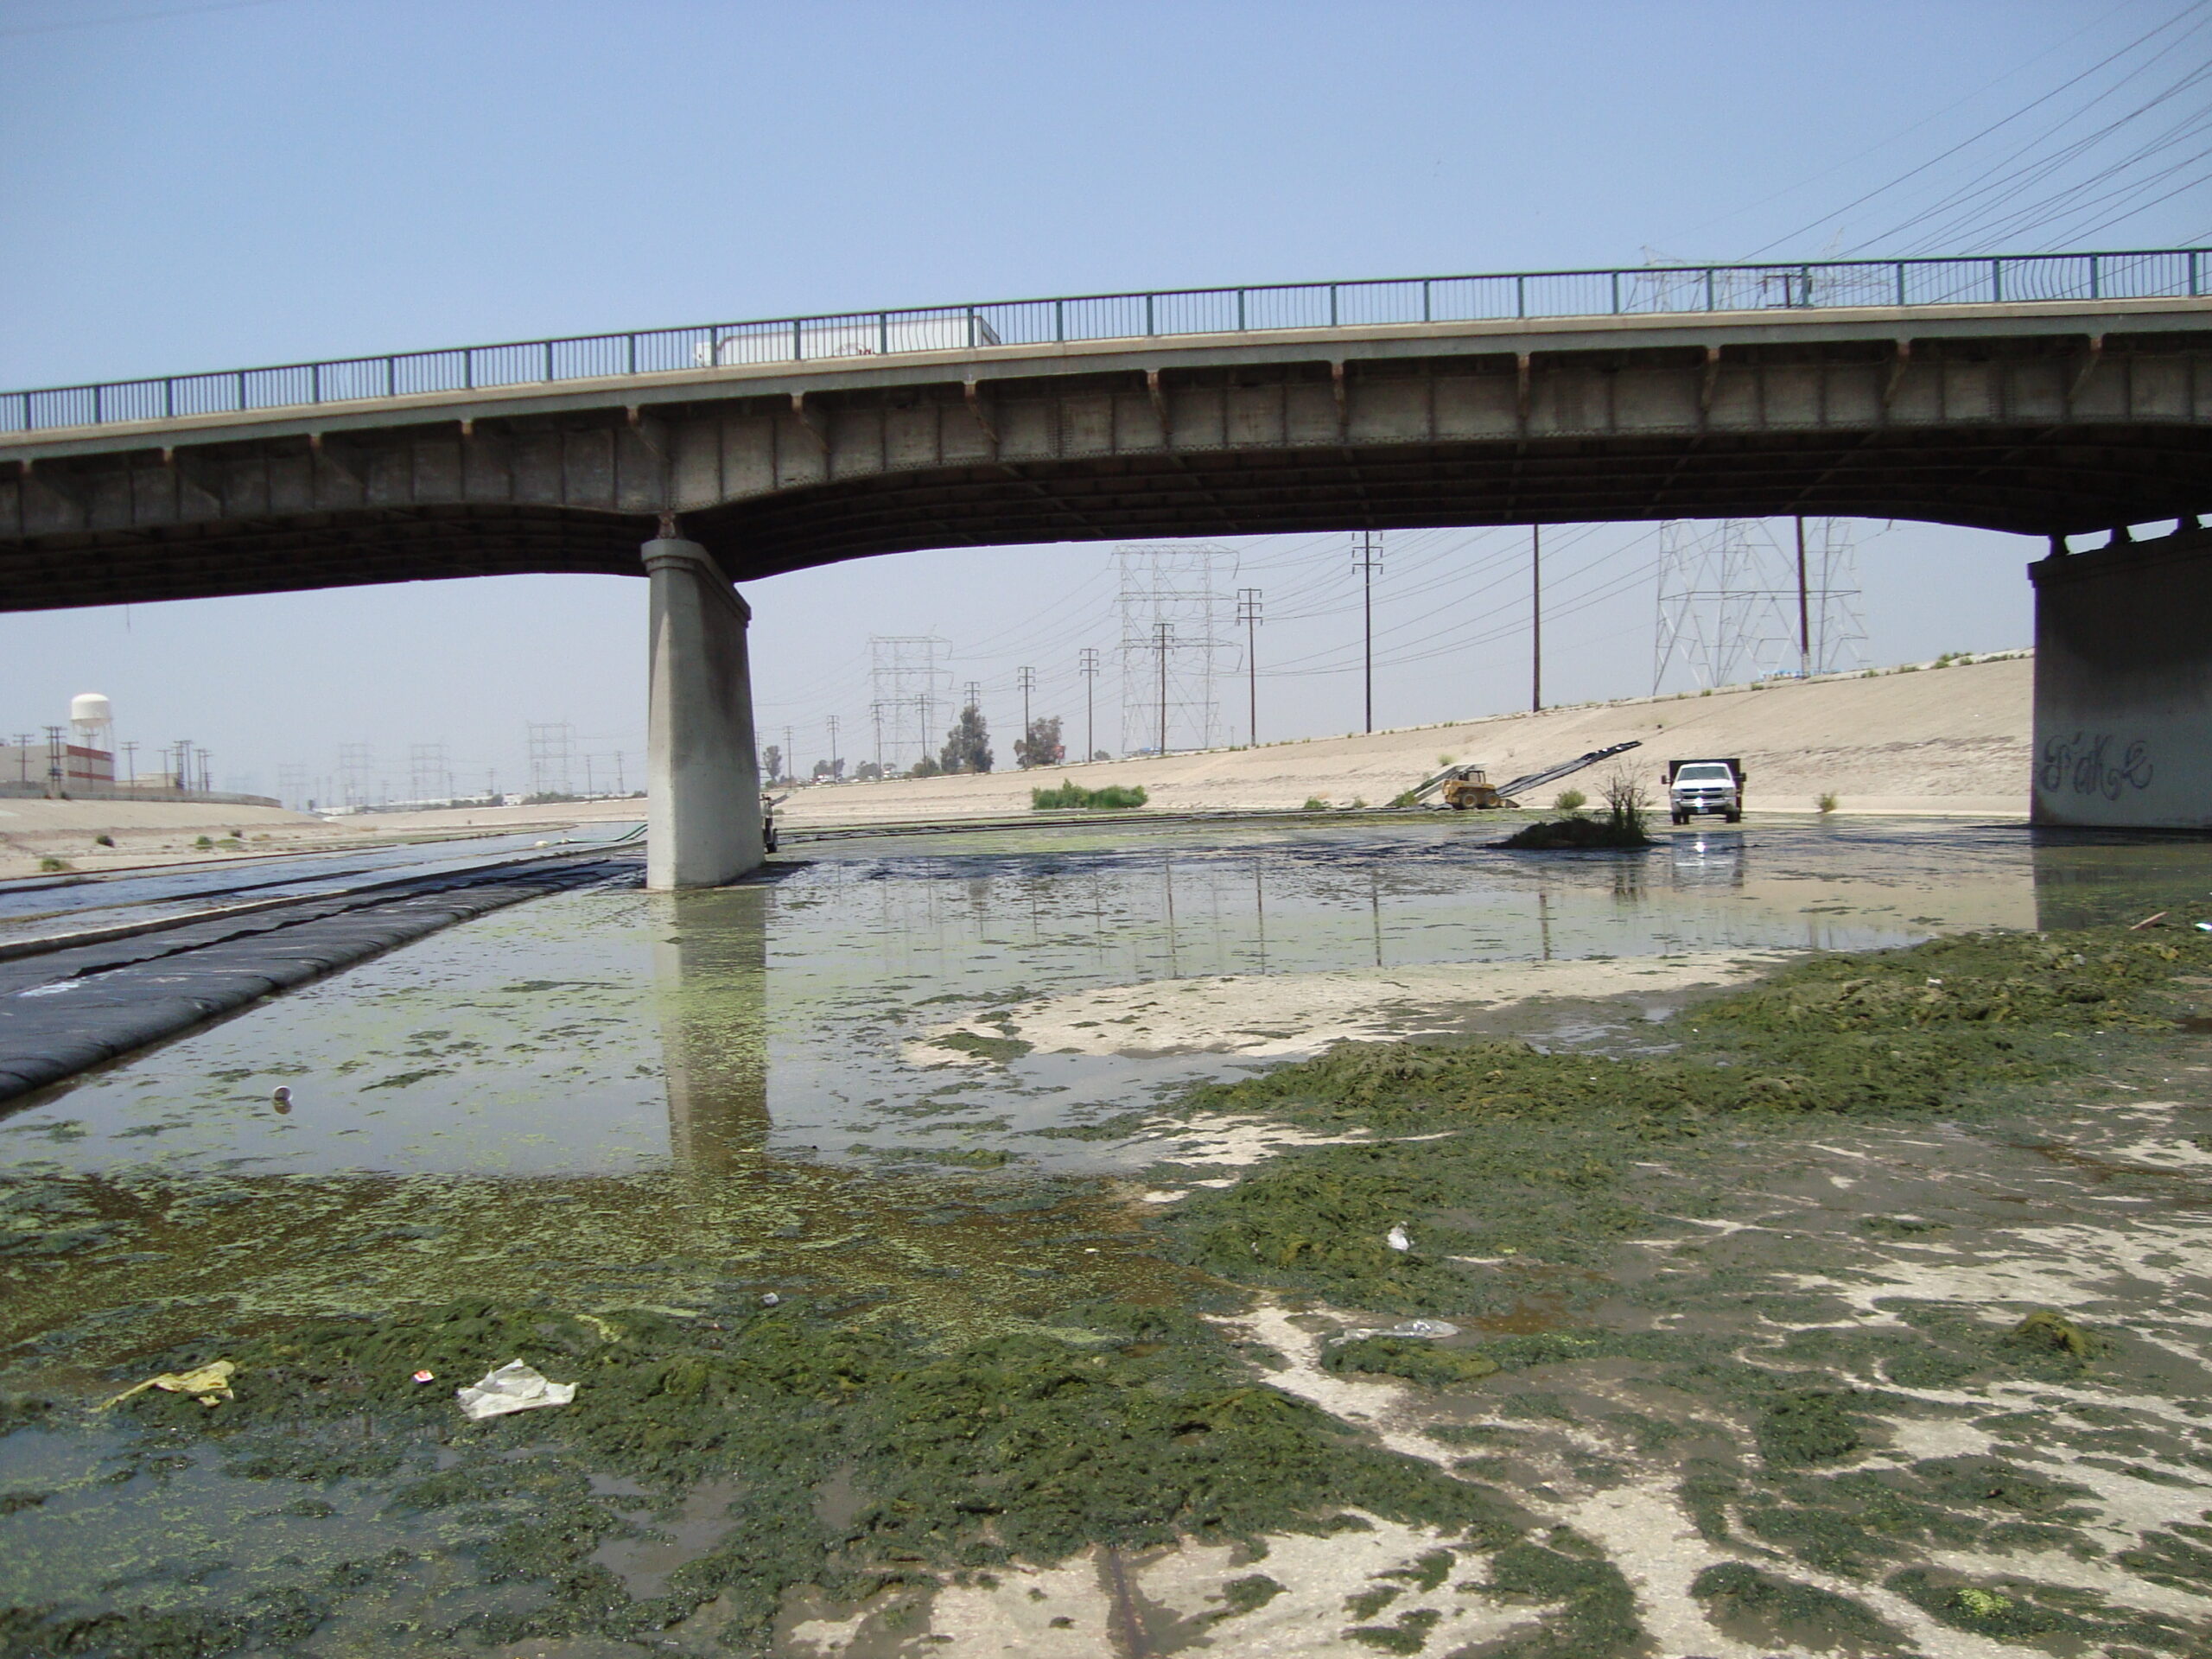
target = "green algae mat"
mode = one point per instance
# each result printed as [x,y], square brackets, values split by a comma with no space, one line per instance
[1861,1310]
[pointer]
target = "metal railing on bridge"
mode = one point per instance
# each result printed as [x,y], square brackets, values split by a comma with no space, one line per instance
[1643,290]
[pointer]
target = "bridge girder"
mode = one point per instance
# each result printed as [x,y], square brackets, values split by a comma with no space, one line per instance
[2048,422]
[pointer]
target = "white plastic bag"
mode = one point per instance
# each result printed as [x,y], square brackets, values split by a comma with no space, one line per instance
[513,1386]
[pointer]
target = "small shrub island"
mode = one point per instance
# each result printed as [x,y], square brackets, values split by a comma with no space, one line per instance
[1621,825]
[1075,796]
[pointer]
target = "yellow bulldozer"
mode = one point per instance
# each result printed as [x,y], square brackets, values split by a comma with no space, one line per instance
[1471,788]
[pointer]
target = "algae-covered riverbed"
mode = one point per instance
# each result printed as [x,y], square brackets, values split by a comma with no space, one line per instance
[959,1244]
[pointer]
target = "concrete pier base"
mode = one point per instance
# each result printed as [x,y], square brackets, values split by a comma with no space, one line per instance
[702,780]
[2123,699]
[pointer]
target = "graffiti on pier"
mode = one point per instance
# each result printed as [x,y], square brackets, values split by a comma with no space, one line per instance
[2086,765]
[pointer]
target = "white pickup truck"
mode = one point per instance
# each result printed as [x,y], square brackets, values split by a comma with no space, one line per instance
[1695,786]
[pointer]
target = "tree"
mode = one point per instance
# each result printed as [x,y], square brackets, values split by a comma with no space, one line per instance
[867,772]
[925,768]
[833,770]
[1042,746]
[772,763]
[968,744]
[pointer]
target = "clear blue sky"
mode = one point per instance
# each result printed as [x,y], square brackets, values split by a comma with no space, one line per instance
[190,187]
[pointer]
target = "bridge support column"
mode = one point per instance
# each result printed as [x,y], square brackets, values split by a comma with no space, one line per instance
[2123,700]
[703,781]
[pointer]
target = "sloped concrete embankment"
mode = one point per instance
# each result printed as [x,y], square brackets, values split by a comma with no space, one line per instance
[1950,740]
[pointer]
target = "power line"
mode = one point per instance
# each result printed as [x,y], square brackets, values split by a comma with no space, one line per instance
[1900,134]
[1968,142]
[2005,179]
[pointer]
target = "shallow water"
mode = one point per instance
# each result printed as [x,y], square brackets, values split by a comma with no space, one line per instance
[605,1032]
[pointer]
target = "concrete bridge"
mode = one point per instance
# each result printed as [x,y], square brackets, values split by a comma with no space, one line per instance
[2048,395]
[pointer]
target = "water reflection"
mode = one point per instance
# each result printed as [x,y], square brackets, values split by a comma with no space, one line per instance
[2084,877]
[614,1032]
[1712,860]
[711,984]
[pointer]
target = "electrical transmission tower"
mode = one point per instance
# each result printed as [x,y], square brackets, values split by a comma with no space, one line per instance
[1174,629]
[552,756]
[355,767]
[1738,602]
[907,682]
[430,772]
[292,784]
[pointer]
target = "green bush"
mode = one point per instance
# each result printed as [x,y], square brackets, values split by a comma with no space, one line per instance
[1570,800]
[1314,803]
[1069,797]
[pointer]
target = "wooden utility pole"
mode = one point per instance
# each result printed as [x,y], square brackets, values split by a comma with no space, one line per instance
[1367,559]
[1536,618]
[1804,610]
[1163,634]
[1088,666]
[1248,612]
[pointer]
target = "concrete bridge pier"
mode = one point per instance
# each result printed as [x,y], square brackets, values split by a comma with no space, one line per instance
[702,779]
[2123,701]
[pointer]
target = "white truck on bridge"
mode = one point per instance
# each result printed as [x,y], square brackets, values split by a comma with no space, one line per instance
[846,337]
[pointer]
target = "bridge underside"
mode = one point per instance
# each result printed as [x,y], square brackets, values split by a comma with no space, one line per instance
[2036,479]
[339,548]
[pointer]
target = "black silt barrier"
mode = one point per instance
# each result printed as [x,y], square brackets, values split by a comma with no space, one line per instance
[68,1010]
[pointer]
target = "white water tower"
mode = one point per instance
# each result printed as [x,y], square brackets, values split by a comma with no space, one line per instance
[92,722]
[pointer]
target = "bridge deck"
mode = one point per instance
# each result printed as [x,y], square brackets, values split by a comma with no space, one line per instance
[2043,417]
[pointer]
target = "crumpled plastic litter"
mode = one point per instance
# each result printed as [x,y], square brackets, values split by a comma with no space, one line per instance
[210,1385]
[513,1386]
[1429,1328]
[1397,1239]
